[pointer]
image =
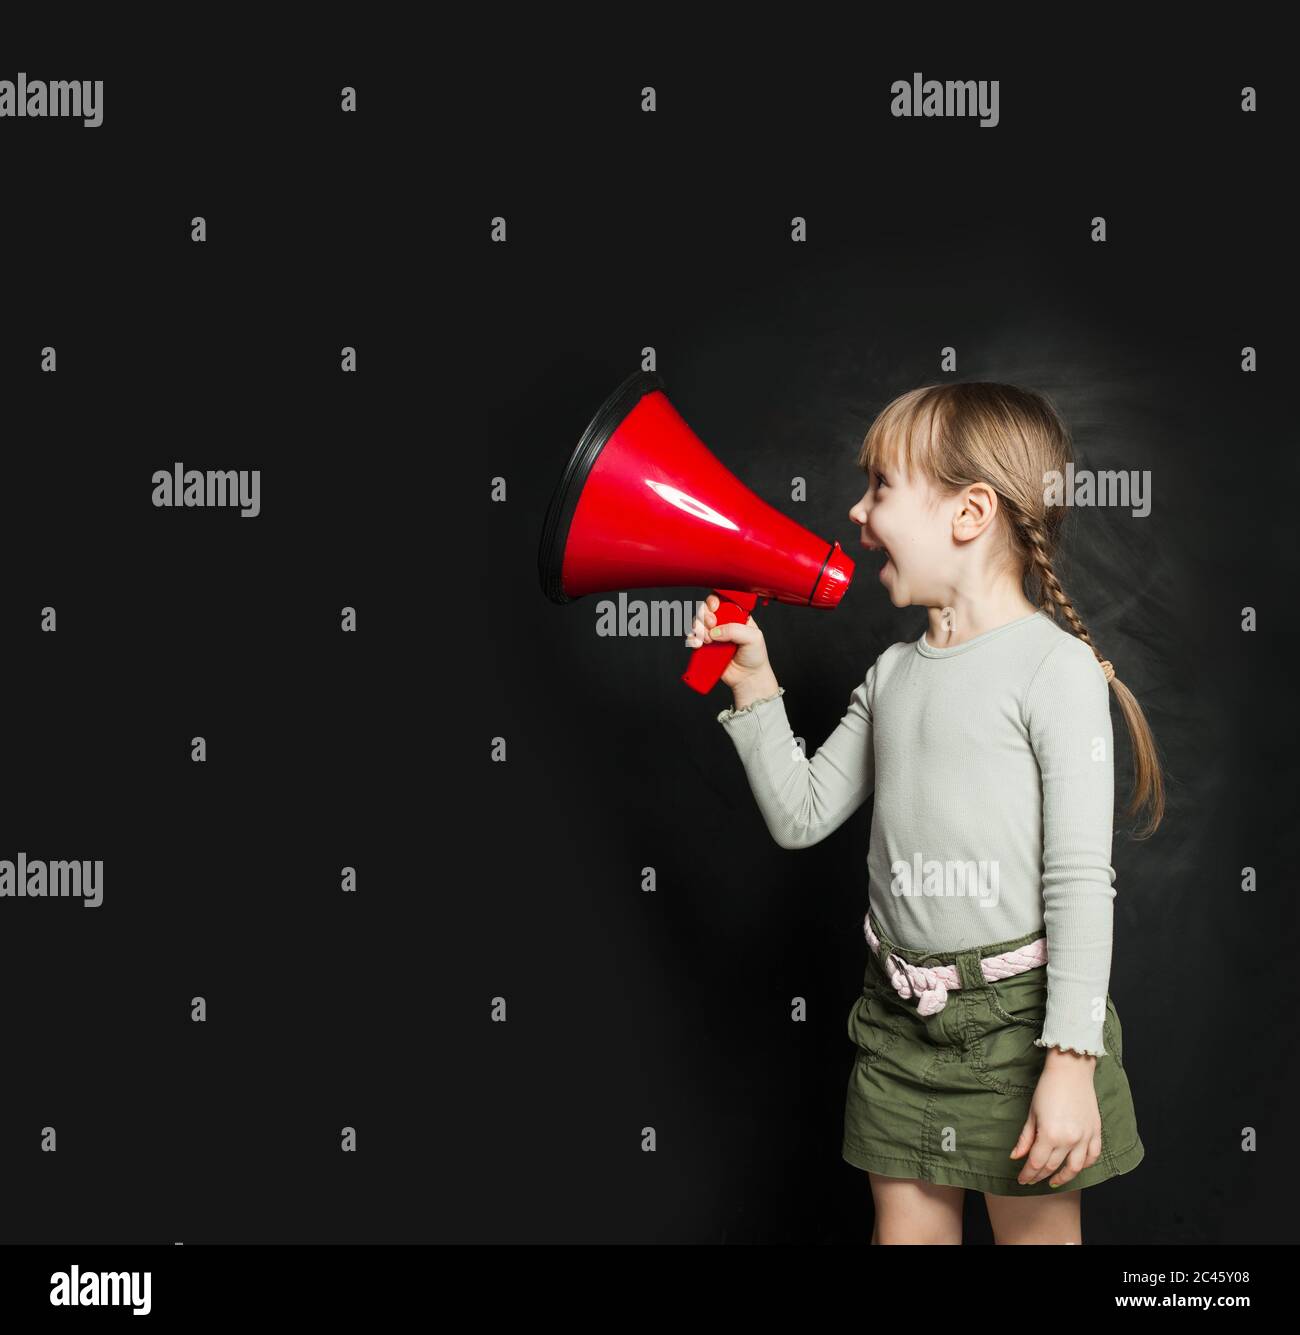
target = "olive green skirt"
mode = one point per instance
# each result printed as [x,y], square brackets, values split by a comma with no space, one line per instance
[944,1097]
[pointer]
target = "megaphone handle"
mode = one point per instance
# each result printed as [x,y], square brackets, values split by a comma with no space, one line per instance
[709,661]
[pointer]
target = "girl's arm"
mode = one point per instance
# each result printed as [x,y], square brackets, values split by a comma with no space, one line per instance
[802,800]
[1067,713]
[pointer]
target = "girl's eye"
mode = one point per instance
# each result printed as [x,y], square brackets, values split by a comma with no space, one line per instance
[880,481]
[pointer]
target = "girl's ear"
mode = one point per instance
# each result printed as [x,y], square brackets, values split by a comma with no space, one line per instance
[979,507]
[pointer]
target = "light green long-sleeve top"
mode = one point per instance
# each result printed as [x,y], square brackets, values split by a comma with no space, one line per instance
[992,768]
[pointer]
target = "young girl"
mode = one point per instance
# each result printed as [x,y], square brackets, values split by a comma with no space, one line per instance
[990,1054]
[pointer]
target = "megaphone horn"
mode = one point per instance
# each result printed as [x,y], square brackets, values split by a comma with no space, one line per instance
[642,503]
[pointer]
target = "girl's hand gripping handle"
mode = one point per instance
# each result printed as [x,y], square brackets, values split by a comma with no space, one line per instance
[713,658]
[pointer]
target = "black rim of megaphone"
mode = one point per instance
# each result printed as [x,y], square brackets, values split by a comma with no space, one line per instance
[559,514]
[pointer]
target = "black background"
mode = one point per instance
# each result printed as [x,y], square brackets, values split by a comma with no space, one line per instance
[522,880]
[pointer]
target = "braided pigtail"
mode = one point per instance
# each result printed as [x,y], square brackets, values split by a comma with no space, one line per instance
[1148,783]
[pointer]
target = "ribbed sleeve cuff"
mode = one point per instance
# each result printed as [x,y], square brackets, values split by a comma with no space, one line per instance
[728,714]
[1077,1033]
[1083,1051]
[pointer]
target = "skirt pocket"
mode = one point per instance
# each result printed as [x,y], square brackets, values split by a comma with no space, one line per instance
[871,1028]
[1021,1000]
[1002,1021]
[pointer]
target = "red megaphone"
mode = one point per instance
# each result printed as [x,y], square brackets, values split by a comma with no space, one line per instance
[642,503]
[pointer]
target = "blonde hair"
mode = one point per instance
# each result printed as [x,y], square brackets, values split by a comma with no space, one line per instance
[1009,439]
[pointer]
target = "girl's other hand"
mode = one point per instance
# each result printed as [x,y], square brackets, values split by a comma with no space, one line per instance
[749,674]
[1062,1134]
